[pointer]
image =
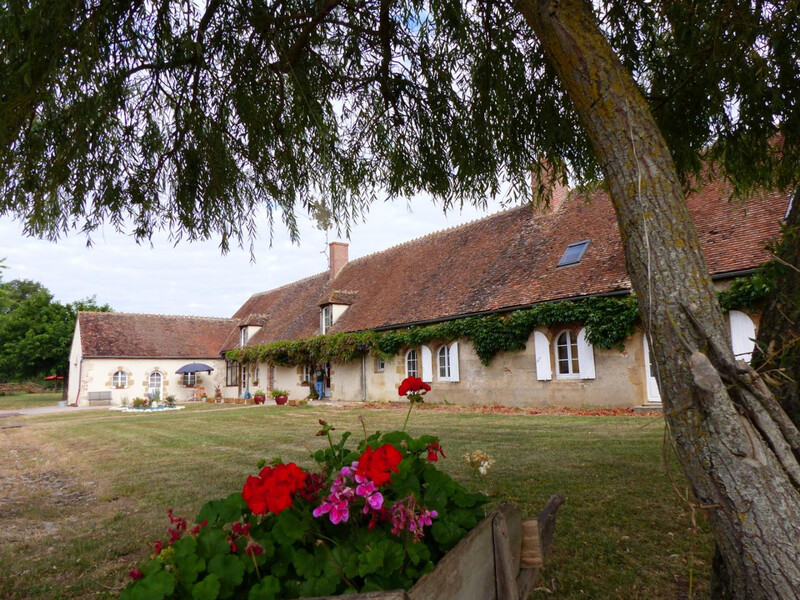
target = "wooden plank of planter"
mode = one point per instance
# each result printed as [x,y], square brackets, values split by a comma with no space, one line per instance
[390,595]
[467,572]
[546,520]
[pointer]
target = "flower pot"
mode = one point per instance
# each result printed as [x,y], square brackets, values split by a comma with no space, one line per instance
[240,401]
[281,400]
[259,398]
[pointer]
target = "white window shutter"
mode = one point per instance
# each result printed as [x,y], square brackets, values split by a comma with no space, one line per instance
[454,361]
[743,332]
[585,356]
[541,347]
[427,365]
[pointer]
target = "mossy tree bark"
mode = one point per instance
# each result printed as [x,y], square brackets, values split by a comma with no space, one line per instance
[738,448]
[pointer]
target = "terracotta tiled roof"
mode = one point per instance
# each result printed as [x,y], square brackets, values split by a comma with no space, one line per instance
[292,311]
[140,335]
[507,260]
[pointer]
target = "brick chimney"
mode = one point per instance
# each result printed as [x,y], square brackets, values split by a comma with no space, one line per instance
[555,192]
[338,257]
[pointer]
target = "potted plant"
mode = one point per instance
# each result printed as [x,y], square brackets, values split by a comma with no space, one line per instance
[259,396]
[217,393]
[281,396]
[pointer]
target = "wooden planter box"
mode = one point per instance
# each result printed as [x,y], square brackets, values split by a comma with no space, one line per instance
[500,559]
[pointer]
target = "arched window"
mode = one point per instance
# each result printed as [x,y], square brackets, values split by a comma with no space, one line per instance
[574,355]
[447,362]
[154,385]
[443,362]
[567,355]
[120,379]
[412,364]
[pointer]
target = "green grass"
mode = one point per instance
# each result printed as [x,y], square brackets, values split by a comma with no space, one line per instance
[85,494]
[17,401]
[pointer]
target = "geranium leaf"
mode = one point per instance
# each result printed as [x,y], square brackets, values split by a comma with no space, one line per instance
[266,589]
[446,533]
[188,564]
[229,568]
[153,587]
[211,542]
[288,528]
[227,509]
[371,561]
[207,589]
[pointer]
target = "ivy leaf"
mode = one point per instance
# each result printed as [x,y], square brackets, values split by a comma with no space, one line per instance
[207,589]
[266,589]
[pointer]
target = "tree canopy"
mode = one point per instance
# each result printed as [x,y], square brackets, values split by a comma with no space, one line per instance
[36,330]
[189,115]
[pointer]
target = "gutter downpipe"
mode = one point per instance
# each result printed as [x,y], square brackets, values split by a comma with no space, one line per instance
[363,378]
[80,380]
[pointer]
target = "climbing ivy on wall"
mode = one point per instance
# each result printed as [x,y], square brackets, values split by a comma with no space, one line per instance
[609,321]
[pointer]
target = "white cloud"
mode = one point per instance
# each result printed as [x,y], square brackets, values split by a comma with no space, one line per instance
[194,278]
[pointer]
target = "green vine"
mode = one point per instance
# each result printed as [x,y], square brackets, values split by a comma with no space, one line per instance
[609,322]
[749,292]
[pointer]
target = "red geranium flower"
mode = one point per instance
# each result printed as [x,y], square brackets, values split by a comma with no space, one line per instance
[273,489]
[378,465]
[434,449]
[413,385]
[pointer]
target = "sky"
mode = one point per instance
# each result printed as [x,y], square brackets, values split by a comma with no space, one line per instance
[195,278]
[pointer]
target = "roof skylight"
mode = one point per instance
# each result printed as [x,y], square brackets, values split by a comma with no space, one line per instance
[574,253]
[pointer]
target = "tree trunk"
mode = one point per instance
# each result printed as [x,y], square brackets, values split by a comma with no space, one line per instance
[738,449]
[778,339]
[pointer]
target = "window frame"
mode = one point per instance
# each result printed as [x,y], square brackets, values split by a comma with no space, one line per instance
[380,364]
[244,336]
[576,247]
[150,383]
[443,361]
[231,373]
[573,355]
[121,382]
[326,318]
[189,380]
[411,355]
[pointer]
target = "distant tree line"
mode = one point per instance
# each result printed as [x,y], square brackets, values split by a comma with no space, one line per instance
[36,330]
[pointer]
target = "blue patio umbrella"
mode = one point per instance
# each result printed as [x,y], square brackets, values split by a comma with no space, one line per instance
[194,367]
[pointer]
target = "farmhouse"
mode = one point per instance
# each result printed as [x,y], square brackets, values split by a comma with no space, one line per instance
[523,307]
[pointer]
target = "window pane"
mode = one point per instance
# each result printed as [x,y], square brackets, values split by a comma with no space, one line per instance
[573,254]
[444,361]
[411,364]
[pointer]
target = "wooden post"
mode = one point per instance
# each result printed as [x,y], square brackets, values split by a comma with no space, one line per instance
[531,553]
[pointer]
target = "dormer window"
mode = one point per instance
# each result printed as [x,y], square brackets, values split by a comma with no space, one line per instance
[573,254]
[326,318]
[243,337]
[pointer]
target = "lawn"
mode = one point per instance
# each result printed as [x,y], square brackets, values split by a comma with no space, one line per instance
[17,401]
[83,495]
